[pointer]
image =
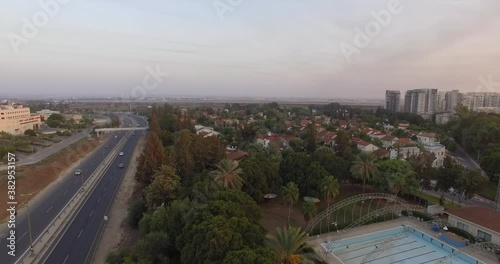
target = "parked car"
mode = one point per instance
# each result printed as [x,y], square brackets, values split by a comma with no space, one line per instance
[121,154]
[120,165]
[78,172]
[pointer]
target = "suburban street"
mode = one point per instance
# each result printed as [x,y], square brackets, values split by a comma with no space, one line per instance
[43,211]
[78,242]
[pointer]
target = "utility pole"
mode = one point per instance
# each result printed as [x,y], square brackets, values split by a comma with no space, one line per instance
[498,193]
[29,221]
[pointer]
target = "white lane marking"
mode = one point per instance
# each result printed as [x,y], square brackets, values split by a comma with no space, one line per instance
[22,236]
[91,213]
[66,259]
[80,233]
[65,192]
[99,199]
[49,209]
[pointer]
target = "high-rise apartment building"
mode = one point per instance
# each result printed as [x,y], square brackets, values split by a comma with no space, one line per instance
[474,101]
[452,99]
[392,100]
[421,101]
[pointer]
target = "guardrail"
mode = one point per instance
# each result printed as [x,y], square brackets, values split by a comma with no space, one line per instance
[62,219]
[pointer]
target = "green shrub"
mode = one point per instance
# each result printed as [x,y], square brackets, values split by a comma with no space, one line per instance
[459,232]
[135,212]
[423,216]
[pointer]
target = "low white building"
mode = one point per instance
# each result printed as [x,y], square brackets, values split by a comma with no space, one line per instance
[404,152]
[439,151]
[45,113]
[481,222]
[207,131]
[366,146]
[426,138]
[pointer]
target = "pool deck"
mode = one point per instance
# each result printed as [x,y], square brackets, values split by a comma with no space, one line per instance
[316,241]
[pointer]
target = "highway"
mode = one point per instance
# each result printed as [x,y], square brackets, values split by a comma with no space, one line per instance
[79,240]
[43,211]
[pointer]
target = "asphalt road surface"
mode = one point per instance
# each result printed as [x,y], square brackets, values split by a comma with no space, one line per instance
[76,243]
[45,210]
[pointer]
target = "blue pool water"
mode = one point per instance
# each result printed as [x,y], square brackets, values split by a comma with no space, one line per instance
[397,245]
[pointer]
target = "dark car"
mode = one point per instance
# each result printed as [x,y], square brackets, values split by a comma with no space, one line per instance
[120,165]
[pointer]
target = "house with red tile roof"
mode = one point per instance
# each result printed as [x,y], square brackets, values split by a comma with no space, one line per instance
[365,146]
[235,154]
[389,141]
[342,124]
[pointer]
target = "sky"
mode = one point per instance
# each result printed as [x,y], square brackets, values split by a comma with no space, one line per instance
[259,48]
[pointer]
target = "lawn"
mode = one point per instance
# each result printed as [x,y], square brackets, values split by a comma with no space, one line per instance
[435,200]
[489,191]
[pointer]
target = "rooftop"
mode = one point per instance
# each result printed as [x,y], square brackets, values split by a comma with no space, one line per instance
[482,216]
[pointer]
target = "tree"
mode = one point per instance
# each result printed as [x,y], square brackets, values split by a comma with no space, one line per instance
[312,144]
[163,188]
[228,174]
[135,213]
[309,210]
[335,165]
[290,196]
[30,132]
[342,143]
[150,160]
[364,168]
[470,182]
[331,188]
[289,245]
[396,176]
[260,255]
[261,176]
[447,176]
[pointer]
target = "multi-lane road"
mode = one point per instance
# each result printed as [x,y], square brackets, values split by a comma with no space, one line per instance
[88,219]
[78,242]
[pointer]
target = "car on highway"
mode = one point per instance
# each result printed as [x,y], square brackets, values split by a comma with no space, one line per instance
[78,172]
[120,165]
[121,154]
[133,134]
[116,136]
[129,125]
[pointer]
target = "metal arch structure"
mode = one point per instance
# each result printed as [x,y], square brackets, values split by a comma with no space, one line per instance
[474,248]
[403,205]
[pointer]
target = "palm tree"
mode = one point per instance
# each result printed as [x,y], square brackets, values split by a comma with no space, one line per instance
[227,174]
[309,210]
[289,245]
[290,196]
[364,168]
[331,189]
[396,182]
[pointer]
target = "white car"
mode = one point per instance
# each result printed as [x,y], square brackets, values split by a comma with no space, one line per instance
[121,154]
[78,172]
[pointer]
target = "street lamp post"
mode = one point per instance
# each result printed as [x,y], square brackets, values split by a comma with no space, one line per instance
[29,221]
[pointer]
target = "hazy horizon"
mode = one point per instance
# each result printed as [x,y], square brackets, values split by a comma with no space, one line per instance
[251,49]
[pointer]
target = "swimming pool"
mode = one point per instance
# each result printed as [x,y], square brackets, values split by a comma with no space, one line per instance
[403,244]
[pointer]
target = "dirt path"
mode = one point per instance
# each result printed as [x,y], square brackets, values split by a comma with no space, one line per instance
[113,233]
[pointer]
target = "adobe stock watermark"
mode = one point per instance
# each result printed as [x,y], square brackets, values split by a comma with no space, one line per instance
[151,81]
[488,84]
[363,38]
[39,20]
[224,6]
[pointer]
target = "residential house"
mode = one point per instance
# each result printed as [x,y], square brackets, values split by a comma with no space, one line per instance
[342,124]
[272,139]
[404,152]
[327,138]
[439,151]
[206,131]
[232,153]
[389,141]
[426,138]
[365,146]
[482,222]
[382,153]
[403,126]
